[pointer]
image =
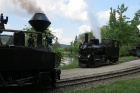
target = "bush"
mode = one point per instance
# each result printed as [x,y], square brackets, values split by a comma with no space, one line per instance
[124,50]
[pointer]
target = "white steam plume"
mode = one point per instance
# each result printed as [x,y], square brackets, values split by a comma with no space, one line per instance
[94,25]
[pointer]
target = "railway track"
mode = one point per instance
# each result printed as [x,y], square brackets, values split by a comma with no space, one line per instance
[96,77]
[72,83]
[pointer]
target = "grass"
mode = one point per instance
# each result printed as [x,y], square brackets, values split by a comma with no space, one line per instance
[127,58]
[123,86]
[74,64]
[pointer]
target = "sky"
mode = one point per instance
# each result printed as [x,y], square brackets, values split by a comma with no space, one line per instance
[68,18]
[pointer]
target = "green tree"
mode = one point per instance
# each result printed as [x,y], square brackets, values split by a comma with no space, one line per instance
[134,23]
[56,43]
[120,28]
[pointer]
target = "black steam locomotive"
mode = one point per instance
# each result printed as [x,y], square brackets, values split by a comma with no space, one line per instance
[92,53]
[22,65]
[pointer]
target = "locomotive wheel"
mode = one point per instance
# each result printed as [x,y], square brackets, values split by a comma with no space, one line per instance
[90,64]
[82,65]
[46,79]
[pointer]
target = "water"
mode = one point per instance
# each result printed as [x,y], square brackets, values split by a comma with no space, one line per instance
[67,60]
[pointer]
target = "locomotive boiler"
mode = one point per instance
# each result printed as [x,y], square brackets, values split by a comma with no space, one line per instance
[93,54]
[22,65]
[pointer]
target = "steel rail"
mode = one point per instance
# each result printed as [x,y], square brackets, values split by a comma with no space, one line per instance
[96,77]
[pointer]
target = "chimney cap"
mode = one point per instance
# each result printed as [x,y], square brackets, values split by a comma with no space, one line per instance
[39,22]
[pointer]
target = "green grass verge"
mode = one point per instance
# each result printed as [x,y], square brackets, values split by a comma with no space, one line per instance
[74,64]
[127,58]
[123,86]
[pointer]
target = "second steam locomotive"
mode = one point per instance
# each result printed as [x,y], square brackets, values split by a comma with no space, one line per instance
[93,54]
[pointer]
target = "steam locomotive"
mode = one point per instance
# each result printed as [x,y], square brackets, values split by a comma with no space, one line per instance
[93,54]
[21,64]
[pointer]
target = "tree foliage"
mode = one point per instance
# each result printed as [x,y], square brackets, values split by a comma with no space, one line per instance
[120,27]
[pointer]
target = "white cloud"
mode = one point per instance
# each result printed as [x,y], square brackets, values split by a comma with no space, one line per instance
[7,26]
[59,34]
[84,28]
[8,7]
[65,40]
[72,9]
[104,15]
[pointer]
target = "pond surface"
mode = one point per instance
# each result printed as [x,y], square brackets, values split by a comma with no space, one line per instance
[68,60]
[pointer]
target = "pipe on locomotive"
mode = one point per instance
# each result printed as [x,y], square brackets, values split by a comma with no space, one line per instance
[94,41]
[2,22]
[86,38]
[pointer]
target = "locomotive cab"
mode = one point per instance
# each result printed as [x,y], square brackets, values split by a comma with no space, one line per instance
[111,49]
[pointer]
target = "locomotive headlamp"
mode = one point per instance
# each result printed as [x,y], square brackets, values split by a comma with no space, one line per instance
[49,39]
[88,56]
[79,55]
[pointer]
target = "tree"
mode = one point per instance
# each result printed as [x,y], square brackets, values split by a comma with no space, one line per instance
[135,22]
[112,19]
[56,43]
[75,41]
[120,28]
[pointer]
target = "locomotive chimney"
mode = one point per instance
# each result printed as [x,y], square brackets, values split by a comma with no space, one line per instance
[86,37]
[40,23]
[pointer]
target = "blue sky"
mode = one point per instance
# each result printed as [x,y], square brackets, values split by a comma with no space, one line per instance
[68,17]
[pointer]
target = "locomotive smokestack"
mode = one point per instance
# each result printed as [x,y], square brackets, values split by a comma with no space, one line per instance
[86,37]
[40,23]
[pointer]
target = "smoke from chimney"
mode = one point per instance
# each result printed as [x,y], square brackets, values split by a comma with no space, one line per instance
[94,25]
[29,5]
